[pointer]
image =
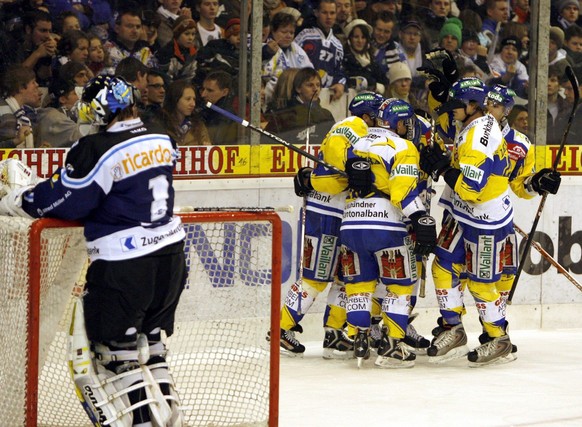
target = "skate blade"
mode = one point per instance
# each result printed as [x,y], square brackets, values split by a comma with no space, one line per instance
[455,353]
[290,354]
[333,354]
[417,351]
[511,357]
[390,363]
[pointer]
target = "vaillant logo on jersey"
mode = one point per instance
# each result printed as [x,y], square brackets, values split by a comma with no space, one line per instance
[347,132]
[147,158]
[405,170]
[471,172]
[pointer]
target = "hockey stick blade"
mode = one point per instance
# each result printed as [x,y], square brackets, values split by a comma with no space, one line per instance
[274,137]
[574,81]
[549,258]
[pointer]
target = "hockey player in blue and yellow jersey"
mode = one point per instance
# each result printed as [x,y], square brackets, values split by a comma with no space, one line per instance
[478,220]
[326,193]
[376,243]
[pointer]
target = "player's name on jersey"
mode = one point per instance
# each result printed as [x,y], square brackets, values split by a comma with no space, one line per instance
[262,160]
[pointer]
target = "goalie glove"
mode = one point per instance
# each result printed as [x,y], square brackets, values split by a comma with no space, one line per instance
[424,227]
[11,204]
[545,181]
[360,178]
[302,182]
[14,175]
[433,160]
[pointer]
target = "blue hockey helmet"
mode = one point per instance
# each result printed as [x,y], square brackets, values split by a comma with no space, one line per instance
[502,95]
[392,111]
[464,91]
[366,103]
[104,97]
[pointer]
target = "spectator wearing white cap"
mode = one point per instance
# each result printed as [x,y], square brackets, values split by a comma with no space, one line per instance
[555,51]
[362,71]
[400,84]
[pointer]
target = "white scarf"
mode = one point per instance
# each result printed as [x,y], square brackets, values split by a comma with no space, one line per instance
[14,106]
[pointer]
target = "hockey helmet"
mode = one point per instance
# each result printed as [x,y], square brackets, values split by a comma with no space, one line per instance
[464,91]
[502,95]
[392,111]
[104,97]
[366,103]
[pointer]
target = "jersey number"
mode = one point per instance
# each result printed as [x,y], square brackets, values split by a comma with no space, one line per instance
[159,186]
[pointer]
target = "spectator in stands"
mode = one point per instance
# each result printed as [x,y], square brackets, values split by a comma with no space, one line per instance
[18,109]
[471,54]
[344,16]
[451,36]
[521,31]
[521,11]
[568,13]
[497,14]
[507,69]
[220,54]
[169,11]
[433,18]
[413,47]
[385,48]
[68,21]
[217,89]
[283,92]
[555,51]
[156,88]
[178,58]
[558,106]
[57,124]
[288,54]
[73,46]
[207,28]
[323,48]
[76,73]
[362,72]
[126,42]
[400,85]
[518,119]
[102,19]
[39,46]
[136,73]
[97,59]
[573,47]
[180,117]
[150,21]
[303,114]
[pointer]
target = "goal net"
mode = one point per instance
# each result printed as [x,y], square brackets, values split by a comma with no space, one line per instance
[225,370]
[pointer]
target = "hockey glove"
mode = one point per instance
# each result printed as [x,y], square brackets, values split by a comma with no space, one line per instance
[360,178]
[441,58]
[439,86]
[433,160]
[546,181]
[302,182]
[424,227]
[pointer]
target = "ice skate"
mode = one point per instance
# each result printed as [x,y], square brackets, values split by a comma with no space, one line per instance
[394,354]
[448,345]
[413,341]
[289,344]
[362,346]
[337,345]
[375,333]
[494,352]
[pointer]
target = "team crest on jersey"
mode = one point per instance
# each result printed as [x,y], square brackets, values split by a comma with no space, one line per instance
[117,172]
[350,263]
[394,263]
[309,255]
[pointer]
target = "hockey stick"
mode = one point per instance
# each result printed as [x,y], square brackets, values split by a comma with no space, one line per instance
[274,137]
[528,242]
[549,258]
[187,209]
[303,217]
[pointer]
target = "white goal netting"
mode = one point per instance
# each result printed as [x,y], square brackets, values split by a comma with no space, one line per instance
[224,368]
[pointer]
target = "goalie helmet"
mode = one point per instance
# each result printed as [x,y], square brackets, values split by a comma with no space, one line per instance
[104,97]
[502,95]
[366,103]
[463,92]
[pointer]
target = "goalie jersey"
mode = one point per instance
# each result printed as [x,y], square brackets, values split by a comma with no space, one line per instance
[119,184]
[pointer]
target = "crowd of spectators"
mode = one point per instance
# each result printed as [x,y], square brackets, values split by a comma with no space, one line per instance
[182,53]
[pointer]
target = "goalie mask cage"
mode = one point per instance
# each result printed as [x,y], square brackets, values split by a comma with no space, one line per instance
[226,372]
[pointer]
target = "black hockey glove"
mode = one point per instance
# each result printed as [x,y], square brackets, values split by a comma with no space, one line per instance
[433,160]
[360,178]
[424,227]
[302,182]
[546,181]
[442,58]
[439,86]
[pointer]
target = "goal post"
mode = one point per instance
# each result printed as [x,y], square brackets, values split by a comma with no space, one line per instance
[226,371]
